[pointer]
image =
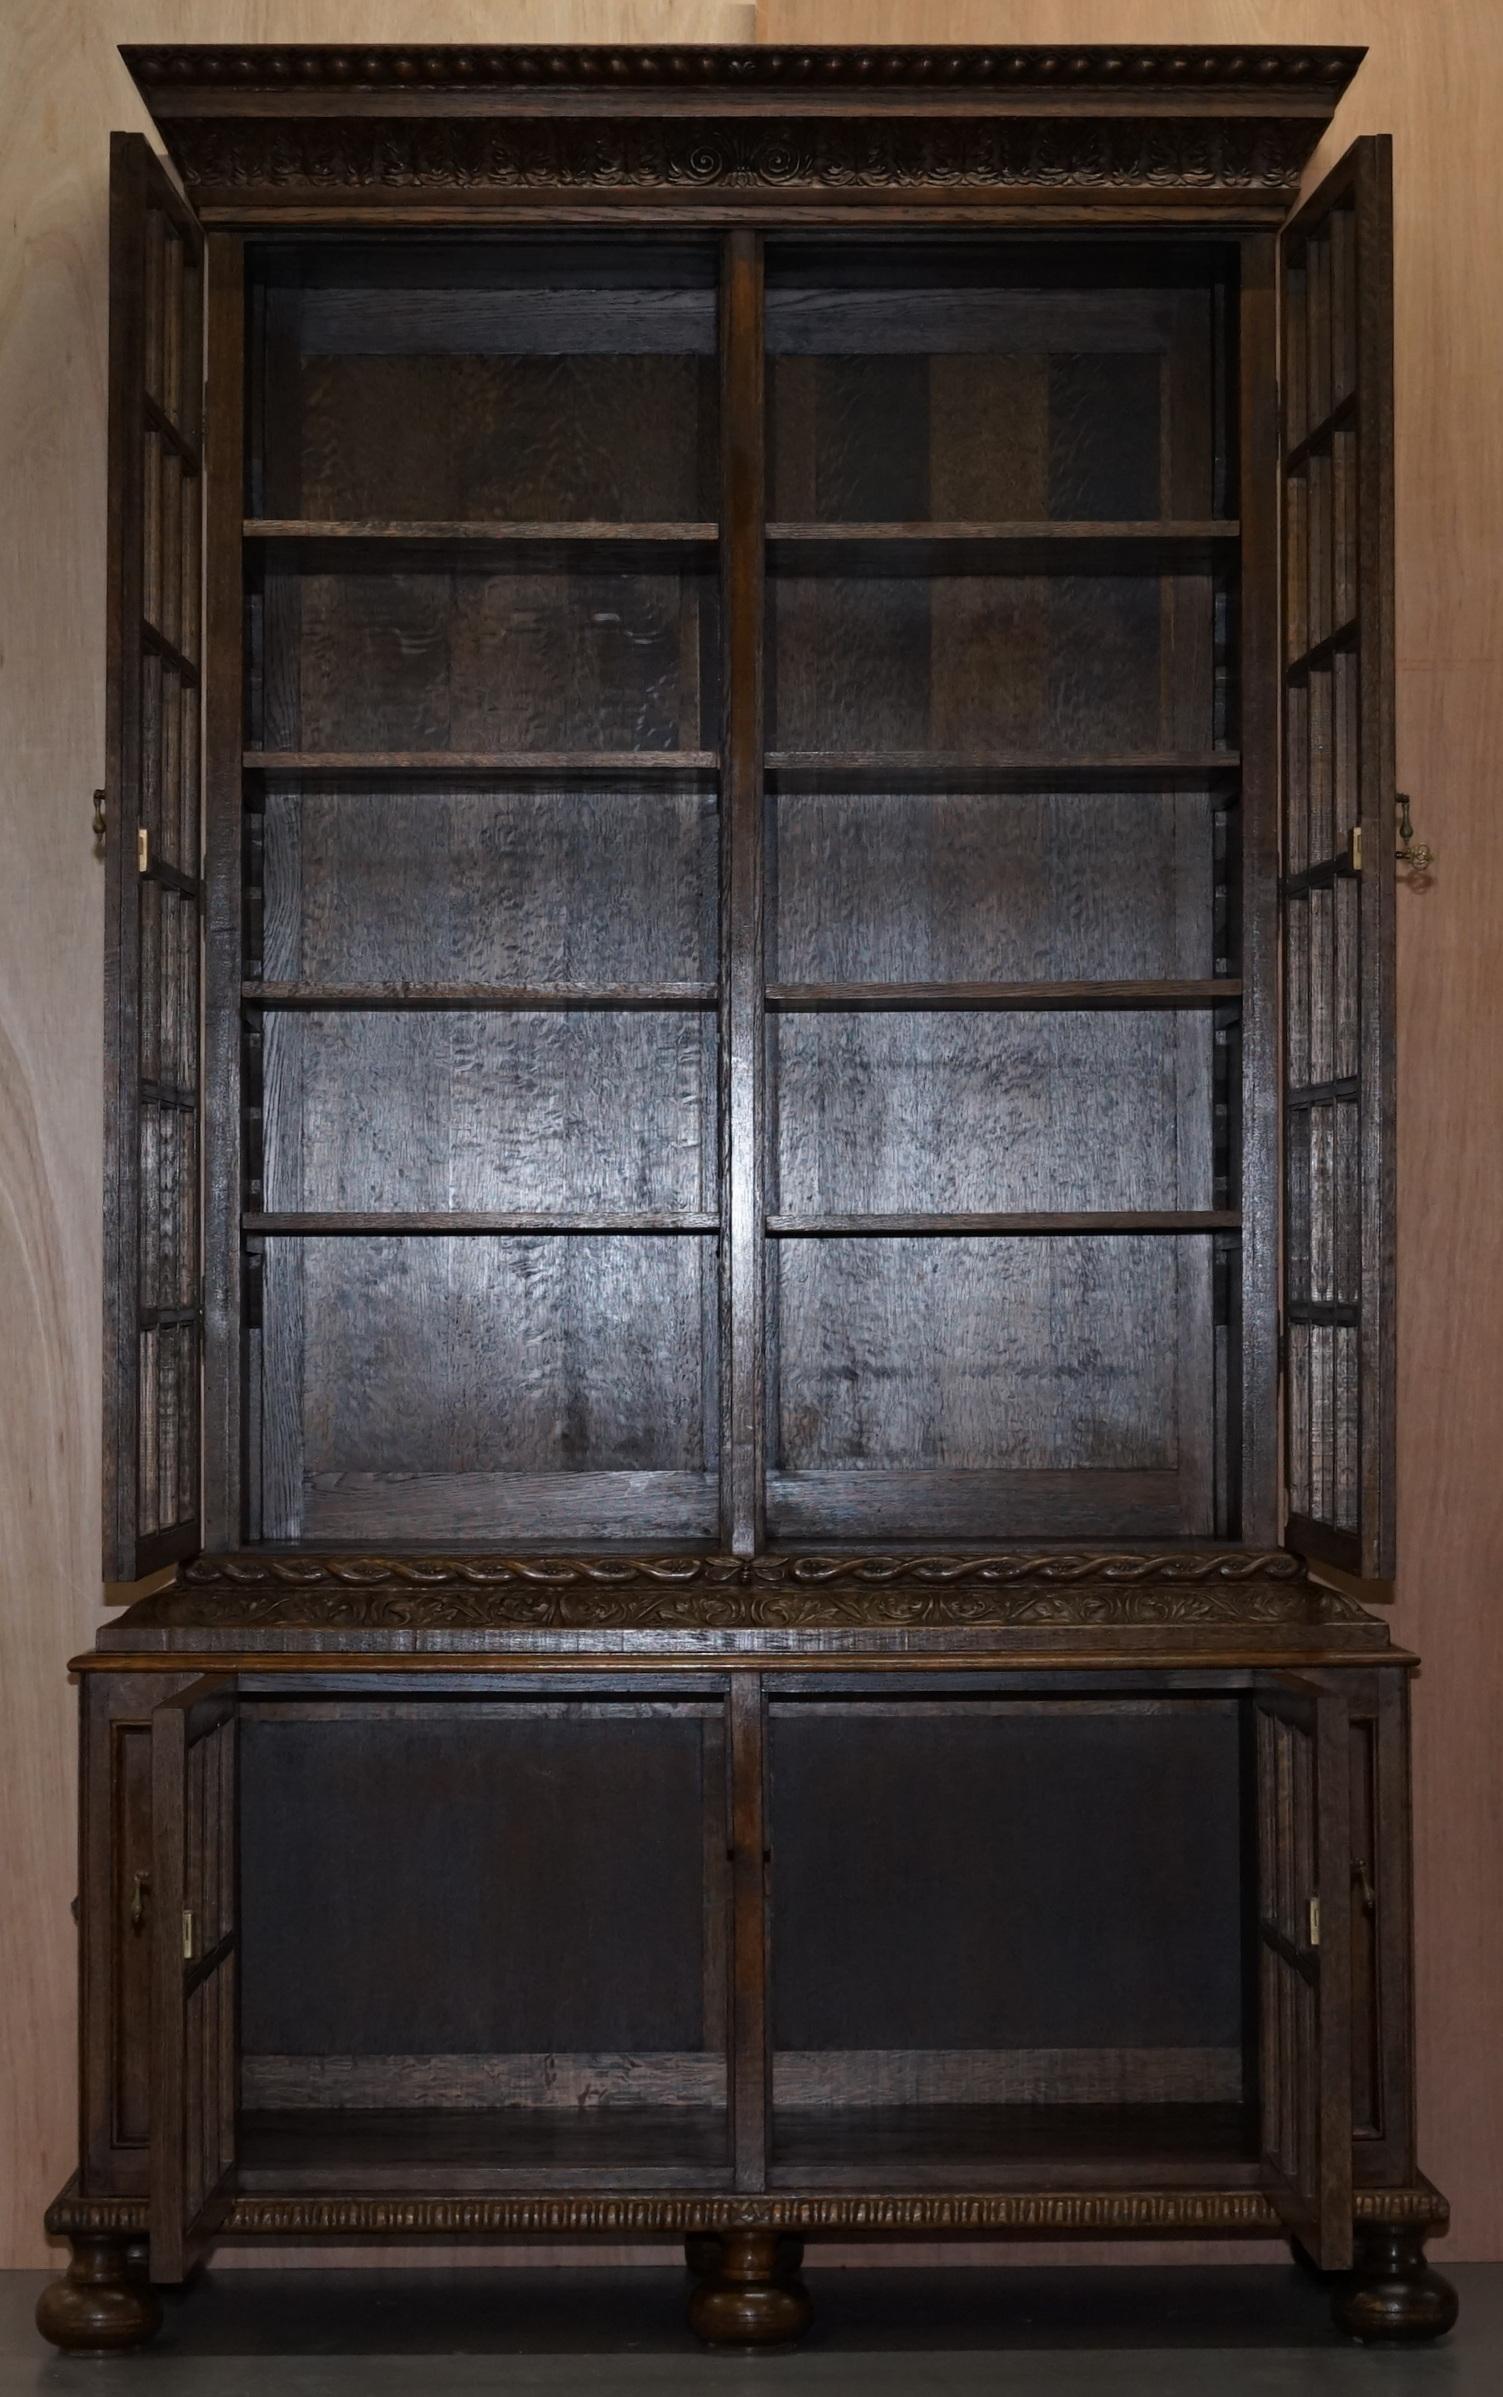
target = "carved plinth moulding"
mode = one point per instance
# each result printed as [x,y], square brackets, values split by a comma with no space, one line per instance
[1191,2212]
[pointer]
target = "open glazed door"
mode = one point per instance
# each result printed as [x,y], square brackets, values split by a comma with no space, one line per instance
[1304,1965]
[152,856]
[193,1990]
[1338,870]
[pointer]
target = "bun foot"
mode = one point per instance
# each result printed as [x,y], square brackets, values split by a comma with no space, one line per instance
[104,2304]
[1393,2295]
[702,2251]
[750,2298]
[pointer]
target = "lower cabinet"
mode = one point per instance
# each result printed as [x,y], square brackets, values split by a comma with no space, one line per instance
[745,1956]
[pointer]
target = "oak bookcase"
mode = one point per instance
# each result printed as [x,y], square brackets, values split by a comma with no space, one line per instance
[750,831]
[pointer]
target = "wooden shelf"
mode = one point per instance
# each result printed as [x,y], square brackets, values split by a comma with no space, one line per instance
[1029,548]
[564,997]
[317,546]
[988,2146]
[900,998]
[447,767]
[1028,1224]
[340,1225]
[529,2147]
[791,772]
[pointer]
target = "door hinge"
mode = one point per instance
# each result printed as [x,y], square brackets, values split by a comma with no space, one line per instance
[1315,1922]
[187,1935]
[1354,848]
[143,849]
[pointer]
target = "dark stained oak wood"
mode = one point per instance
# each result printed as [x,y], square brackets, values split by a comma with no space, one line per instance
[742,1679]
[445,765]
[317,546]
[457,1220]
[1045,548]
[839,1227]
[790,772]
[406,996]
[814,997]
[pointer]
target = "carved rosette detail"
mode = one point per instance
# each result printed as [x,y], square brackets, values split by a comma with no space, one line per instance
[1148,2213]
[477,156]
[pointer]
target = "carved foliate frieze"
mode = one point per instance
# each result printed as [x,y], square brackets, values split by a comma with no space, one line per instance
[685,1593]
[946,157]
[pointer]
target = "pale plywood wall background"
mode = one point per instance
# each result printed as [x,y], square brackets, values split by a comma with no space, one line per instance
[1435,79]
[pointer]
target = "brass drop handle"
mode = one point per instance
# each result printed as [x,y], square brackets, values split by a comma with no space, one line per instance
[1417,855]
[1364,1880]
[140,1890]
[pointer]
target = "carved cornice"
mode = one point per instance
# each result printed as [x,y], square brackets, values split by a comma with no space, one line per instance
[1152,2214]
[566,68]
[304,159]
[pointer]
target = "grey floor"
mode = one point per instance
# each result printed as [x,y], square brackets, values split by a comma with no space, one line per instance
[1247,2332]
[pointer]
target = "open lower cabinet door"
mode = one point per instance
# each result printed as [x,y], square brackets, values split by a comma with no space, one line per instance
[194,1954]
[1338,866]
[1304,1965]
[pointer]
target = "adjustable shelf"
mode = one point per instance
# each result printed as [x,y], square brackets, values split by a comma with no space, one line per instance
[359,545]
[1026,548]
[791,773]
[1027,1223]
[901,998]
[563,997]
[584,1221]
[446,767]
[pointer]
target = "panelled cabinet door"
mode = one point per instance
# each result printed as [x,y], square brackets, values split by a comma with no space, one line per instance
[1338,865]
[1304,1965]
[153,857]
[193,1989]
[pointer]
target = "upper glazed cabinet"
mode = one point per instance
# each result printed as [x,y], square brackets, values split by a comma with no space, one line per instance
[750,806]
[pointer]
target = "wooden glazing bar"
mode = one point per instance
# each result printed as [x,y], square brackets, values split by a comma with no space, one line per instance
[563,997]
[743,880]
[1320,436]
[224,742]
[167,650]
[750,2074]
[1252,1344]
[172,433]
[899,998]
[1341,636]
[1320,876]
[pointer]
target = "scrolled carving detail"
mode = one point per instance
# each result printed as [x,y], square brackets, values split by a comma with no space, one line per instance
[509,156]
[687,1593]
[762,1573]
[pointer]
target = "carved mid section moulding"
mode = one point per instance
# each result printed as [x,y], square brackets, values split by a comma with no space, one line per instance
[1207,1599]
[768,131]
